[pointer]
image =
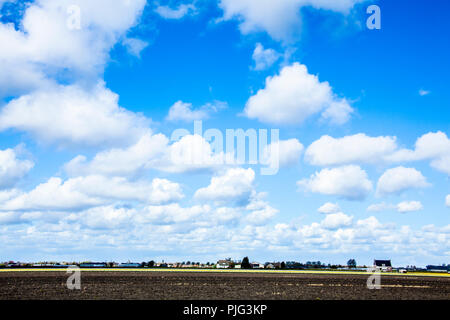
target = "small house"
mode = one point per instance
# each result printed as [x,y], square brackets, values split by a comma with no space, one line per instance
[223,264]
[383,265]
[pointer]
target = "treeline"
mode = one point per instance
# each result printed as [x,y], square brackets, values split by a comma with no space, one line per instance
[243,264]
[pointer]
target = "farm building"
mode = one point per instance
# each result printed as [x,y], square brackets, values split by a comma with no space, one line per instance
[129,265]
[442,268]
[257,265]
[384,265]
[93,265]
[223,264]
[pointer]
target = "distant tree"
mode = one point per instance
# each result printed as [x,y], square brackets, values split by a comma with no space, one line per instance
[151,264]
[283,265]
[245,263]
[351,263]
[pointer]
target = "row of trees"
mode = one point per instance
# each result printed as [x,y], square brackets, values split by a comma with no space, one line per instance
[297,265]
[245,264]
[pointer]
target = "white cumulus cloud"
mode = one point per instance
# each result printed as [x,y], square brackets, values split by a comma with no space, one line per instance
[182,111]
[287,152]
[236,184]
[281,19]
[264,58]
[12,169]
[434,146]
[135,46]
[260,210]
[329,207]
[68,115]
[180,12]
[399,179]
[409,206]
[349,149]
[190,153]
[146,153]
[377,207]
[82,192]
[62,35]
[350,182]
[295,95]
[336,220]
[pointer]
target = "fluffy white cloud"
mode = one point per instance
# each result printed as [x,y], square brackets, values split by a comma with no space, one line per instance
[377,207]
[12,169]
[280,19]
[329,207]
[62,35]
[293,96]
[82,192]
[105,217]
[171,213]
[442,164]
[234,185]
[181,11]
[190,153]
[284,153]
[350,182]
[226,214]
[261,216]
[428,146]
[72,115]
[51,195]
[434,146]
[260,210]
[402,207]
[360,148]
[135,46]
[146,153]
[447,201]
[181,111]
[423,92]
[399,179]
[264,58]
[336,220]
[349,149]
[409,206]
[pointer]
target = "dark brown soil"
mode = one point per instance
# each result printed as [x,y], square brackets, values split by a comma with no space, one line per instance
[217,286]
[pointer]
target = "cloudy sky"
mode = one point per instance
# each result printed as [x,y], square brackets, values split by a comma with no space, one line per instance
[92,91]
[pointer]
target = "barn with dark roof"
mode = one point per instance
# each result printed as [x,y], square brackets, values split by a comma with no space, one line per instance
[384,265]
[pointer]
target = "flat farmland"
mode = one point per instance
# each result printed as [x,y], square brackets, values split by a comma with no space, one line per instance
[161,285]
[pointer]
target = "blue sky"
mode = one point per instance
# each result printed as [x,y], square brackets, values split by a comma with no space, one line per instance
[90,94]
